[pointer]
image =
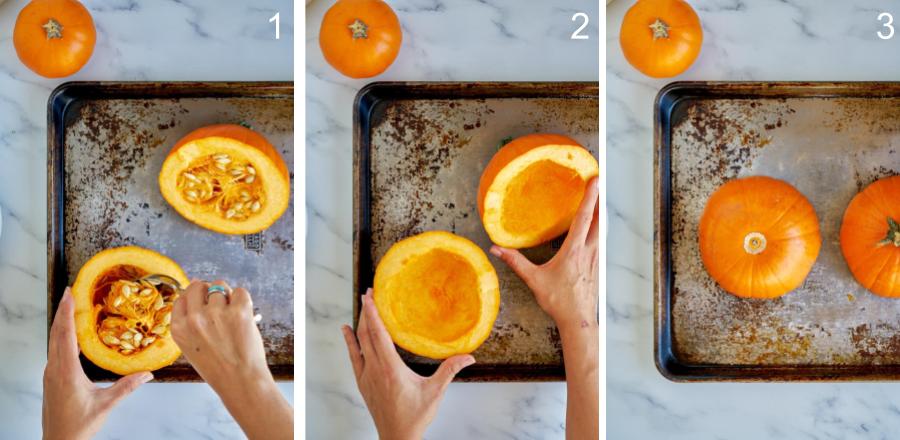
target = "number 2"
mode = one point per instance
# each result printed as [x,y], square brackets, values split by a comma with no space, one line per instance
[577,34]
[277,19]
[889,25]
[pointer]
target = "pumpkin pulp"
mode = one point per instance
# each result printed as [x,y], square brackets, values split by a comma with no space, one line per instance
[541,184]
[226,178]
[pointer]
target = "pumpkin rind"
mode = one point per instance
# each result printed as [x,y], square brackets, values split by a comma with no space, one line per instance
[759,237]
[271,177]
[54,38]
[437,293]
[360,38]
[530,190]
[661,38]
[870,251]
[162,352]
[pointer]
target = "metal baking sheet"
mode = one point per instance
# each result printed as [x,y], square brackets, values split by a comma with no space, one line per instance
[107,142]
[420,149]
[829,140]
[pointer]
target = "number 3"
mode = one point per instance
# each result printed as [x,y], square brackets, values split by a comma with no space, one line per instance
[577,34]
[889,25]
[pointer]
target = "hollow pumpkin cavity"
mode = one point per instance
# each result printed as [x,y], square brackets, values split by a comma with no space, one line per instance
[437,294]
[542,184]
[437,287]
[530,190]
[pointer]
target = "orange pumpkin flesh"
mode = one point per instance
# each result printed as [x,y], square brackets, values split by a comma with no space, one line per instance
[661,38]
[226,178]
[121,325]
[437,293]
[531,188]
[54,38]
[360,38]
[759,237]
[870,237]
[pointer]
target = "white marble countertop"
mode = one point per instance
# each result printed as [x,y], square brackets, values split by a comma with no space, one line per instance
[159,40]
[743,40]
[502,40]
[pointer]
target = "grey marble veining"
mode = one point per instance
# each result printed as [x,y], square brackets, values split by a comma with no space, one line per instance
[458,40]
[743,40]
[159,40]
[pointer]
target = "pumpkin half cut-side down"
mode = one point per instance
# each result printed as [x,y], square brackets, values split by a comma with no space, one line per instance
[226,178]
[759,237]
[437,293]
[870,237]
[122,325]
[530,190]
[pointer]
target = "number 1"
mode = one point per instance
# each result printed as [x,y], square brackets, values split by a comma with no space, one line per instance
[277,19]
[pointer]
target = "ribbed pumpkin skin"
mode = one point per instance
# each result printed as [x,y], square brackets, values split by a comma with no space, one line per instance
[759,237]
[874,262]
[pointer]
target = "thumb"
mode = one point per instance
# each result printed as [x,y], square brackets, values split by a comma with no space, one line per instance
[124,387]
[450,368]
[516,261]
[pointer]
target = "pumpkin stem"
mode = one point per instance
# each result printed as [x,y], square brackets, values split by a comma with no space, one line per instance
[660,29]
[754,243]
[359,29]
[53,29]
[893,234]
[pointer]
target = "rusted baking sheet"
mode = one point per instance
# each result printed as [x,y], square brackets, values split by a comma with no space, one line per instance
[419,150]
[829,140]
[107,142]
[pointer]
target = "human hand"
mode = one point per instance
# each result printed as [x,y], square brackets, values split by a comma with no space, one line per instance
[74,407]
[566,286]
[401,402]
[219,337]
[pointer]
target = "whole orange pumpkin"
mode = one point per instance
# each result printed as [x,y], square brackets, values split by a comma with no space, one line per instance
[360,38]
[54,38]
[759,237]
[870,237]
[661,38]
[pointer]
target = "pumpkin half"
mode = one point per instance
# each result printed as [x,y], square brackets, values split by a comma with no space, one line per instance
[123,325]
[530,190]
[226,178]
[437,294]
[870,237]
[759,237]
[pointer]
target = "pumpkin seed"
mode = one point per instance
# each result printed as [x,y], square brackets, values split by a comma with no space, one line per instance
[148,340]
[230,213]
[220,166]
[245,196]
[110,340]
[251,170]
[159,303]
[221,156]
[255,206]
[117,302]
[236,172]
[159,330]
[126,336]
[126,290]
[146,292]
[250,178]
[127,346]
[237,206]
[191,194]
[167,318]
[191,177]
[126,351]
[137,338]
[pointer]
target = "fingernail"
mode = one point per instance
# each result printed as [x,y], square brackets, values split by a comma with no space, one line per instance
[469,361]
[369,291]
[495,251]
[67,294]
[146,377]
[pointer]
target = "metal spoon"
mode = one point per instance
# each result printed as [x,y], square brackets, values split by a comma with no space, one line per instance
[173,284]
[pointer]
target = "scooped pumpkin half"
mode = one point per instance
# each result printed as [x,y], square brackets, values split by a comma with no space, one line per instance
[226,178]
[437,293]
[122,325]
[530,190]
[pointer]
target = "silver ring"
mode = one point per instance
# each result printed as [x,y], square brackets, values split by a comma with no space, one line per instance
[215,288]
